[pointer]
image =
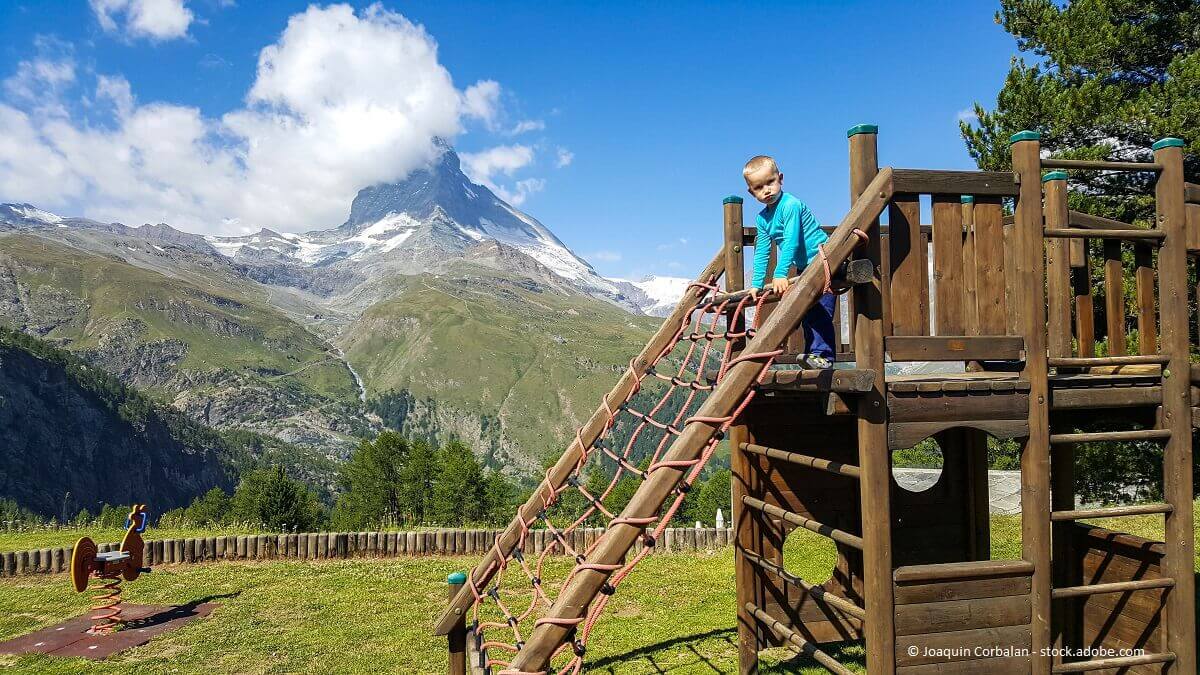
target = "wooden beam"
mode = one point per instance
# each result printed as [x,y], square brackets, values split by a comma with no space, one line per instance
[954,183]
[818,593]
[1029,285]
[1143,260]
[839,380]
[1114,297]
[1111,512]
[1099,165]
[955,348]
[1129,235]
[1058,272]
[742,471]
[788,635]
[825,530]
[981,569]
[1090,222]
[1081,285]
[1180,534]
[1116,663]
[1114,587]
[799,459]
[1112,436]
[872,322]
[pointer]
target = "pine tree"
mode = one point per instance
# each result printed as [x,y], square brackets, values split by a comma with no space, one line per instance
[211,508]
[499,498]
[716,493]
[371,481]
[269,497]
[458,494]
[1110,77]
[417,480]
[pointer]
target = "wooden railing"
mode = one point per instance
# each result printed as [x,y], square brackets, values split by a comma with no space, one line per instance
[341,545]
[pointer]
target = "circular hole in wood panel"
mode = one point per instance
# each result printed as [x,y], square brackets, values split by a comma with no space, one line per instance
[918,468]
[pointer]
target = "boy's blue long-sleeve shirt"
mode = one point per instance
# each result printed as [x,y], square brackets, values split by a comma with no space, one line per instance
[792,226]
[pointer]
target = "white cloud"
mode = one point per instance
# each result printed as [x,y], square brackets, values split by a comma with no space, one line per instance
[39,83]
[485,167]
[342,100]
[481,100]
[606,256]
[565,157]
[153,19]
[527,125]
[682,241]
[967,115]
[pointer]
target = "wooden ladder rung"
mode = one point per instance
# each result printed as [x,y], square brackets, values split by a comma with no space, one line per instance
[1152,236]
[1111,512]
[803,460]
[1115,662]
[1102,436]
[807,648]
[818,593]
[1093,361]
[840,536]
[1114,587]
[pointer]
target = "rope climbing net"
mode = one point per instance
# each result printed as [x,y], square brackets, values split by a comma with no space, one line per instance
[632,446]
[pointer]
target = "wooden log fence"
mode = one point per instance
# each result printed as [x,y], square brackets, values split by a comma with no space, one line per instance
[341,545]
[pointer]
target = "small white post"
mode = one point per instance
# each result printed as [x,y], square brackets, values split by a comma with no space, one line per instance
[720,519]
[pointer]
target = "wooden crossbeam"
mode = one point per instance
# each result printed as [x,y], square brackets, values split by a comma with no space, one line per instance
[1115,587]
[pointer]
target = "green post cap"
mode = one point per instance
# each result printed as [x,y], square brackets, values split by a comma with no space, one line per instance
[1055,175]
[1024,136]
[967,199]
[732,199]
[1168,143]
[456,579]
[862,129]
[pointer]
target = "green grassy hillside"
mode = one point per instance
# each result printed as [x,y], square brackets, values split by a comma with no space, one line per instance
[531,358]
[220,341]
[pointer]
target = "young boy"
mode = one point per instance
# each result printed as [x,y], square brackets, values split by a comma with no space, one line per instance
[787,222]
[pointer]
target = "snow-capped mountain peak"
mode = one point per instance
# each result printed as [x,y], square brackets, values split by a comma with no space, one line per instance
[654,295]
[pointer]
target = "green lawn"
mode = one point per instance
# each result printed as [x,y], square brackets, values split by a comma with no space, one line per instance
[675,614]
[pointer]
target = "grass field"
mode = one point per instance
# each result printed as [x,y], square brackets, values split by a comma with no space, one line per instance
[676,614]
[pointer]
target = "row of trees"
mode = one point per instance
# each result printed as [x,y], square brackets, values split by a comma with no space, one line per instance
[393,481]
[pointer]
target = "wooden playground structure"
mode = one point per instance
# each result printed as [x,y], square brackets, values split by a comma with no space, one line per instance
[914,578]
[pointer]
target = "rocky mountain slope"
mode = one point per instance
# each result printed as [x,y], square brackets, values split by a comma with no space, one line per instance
[435,307]
[71,438]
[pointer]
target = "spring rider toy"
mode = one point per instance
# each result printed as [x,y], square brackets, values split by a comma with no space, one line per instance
[110,567]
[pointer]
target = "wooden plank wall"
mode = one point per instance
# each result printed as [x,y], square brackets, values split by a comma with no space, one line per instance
[1131,620]
[932,526]
[322,545]
[941,622]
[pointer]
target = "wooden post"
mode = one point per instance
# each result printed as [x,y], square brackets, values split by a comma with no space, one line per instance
[1085,316]
[1114,297]
[1180,542]
[970,310]
[1143,259]
[948,265]
[1028,277]
[743,480]
[1058,268]
[457,636]
[875,459]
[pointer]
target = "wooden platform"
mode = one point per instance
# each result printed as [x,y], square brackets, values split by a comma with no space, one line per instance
[70,638]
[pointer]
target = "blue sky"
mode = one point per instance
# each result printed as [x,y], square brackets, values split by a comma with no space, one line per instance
[637,117]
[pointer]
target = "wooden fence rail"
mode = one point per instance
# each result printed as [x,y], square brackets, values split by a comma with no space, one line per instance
[341,545]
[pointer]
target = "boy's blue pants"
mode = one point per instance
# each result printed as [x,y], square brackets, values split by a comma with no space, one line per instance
[818,328]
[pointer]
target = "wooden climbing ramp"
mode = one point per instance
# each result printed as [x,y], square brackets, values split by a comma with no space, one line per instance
[1006,303]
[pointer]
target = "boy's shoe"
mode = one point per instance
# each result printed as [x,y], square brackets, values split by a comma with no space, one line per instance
[814,362]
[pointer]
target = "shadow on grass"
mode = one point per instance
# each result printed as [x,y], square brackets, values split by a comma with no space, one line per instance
[651,654]
[850,654]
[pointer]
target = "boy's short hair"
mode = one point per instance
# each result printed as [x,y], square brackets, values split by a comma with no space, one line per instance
[759,163]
